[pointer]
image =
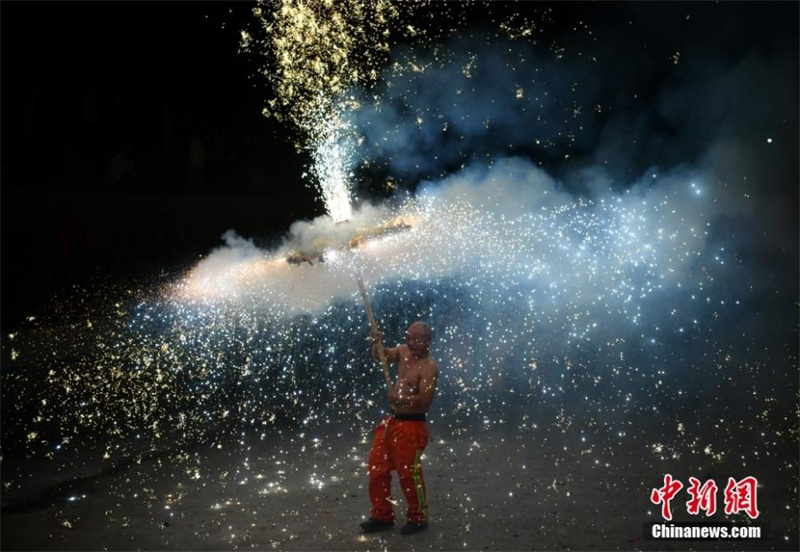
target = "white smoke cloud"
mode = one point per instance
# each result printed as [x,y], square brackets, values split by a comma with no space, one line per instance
[508,226]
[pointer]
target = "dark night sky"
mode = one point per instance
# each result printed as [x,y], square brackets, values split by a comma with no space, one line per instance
[132,136]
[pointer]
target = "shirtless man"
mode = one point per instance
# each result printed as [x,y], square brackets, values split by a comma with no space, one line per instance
[402,436]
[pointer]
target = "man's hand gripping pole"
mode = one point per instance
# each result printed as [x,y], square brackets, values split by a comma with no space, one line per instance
[374,327]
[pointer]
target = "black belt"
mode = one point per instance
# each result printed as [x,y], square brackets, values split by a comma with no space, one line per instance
[415,417]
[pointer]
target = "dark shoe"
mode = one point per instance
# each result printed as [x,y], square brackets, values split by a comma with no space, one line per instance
[411,528]
[372,525]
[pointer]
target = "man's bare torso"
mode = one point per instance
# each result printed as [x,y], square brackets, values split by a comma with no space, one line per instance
[414,376]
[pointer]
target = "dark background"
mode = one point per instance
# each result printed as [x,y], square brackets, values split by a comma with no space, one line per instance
[132,138]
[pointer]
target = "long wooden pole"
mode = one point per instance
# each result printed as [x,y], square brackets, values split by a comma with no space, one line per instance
[374,327]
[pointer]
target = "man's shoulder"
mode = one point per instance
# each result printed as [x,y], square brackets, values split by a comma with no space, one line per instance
[432,365]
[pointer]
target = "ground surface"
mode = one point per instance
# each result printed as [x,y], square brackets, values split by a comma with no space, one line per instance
[298,491]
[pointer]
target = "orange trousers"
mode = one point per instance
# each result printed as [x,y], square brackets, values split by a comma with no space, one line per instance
[398,445]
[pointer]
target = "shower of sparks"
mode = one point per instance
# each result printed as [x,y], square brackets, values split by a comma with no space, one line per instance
[316,54]
[557,297]
[597,321]
[333,159]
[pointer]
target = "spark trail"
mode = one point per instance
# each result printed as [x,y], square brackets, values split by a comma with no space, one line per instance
[316,54]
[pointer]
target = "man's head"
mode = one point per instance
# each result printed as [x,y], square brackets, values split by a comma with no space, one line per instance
[418,339]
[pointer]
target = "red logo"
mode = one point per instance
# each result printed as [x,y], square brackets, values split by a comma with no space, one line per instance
[665,494]
[740,496]
[703,498]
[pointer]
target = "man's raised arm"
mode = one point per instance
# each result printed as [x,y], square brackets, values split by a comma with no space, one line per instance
[392,353]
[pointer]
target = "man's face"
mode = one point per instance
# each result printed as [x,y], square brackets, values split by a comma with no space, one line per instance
[418,341]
